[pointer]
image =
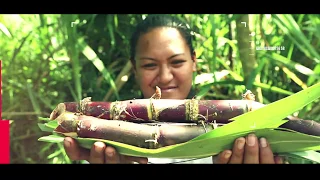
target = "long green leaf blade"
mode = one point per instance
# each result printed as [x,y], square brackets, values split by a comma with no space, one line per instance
[97,62]
[273,112]
[280,142]
[52,139]
[309,155]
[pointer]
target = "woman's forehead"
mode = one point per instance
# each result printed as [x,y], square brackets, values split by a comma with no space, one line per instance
[162,39]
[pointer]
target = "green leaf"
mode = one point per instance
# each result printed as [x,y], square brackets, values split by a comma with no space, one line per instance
[49,126]
[276,123]
[280,141]
[44,128]
[284,107]
[290,27]
[287,142]
[272,88]
[44,119]
[5,30]
[52,138]
[309,155]
[98,63]
[262,118]
[291,64]
[52,124]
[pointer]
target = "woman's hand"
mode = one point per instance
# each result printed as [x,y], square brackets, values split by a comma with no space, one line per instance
[99,154]
[248,150]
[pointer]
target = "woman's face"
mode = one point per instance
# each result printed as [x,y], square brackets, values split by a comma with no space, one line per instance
[163,59]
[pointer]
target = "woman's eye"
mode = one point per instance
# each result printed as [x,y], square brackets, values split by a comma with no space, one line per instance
[178,62]
[149,65]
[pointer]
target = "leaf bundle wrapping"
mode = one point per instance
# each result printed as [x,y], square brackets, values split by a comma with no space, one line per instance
[186,128]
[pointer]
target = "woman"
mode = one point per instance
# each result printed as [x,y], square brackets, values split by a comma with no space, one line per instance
[162,55]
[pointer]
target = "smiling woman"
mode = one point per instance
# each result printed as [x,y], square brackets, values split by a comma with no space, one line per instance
[163,56]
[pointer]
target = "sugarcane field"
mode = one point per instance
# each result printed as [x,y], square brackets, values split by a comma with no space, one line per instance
[161,89]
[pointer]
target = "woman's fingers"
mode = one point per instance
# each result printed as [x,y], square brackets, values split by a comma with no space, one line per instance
[237,151]
[251,153]
[278,160]
[74,151]
[111,156]
[97,153]
[249,150]
[222,158]
[266,154]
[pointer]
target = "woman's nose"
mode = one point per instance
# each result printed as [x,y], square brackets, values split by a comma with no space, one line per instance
[165,75]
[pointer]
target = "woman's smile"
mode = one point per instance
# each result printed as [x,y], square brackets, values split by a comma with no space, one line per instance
[168,89]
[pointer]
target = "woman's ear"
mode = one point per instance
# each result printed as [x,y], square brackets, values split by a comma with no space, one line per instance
[194,59]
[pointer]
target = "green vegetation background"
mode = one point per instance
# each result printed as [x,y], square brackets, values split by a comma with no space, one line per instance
[48,59]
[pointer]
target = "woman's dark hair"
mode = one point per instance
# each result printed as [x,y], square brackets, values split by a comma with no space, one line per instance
[154,21]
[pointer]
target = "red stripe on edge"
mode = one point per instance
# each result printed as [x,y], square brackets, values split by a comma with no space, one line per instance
[4,142]
[1,89]
[4,131]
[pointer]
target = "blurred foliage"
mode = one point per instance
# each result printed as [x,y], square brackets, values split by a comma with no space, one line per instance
[48,59]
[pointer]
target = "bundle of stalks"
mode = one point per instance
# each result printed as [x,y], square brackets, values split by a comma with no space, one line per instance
[155,122]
